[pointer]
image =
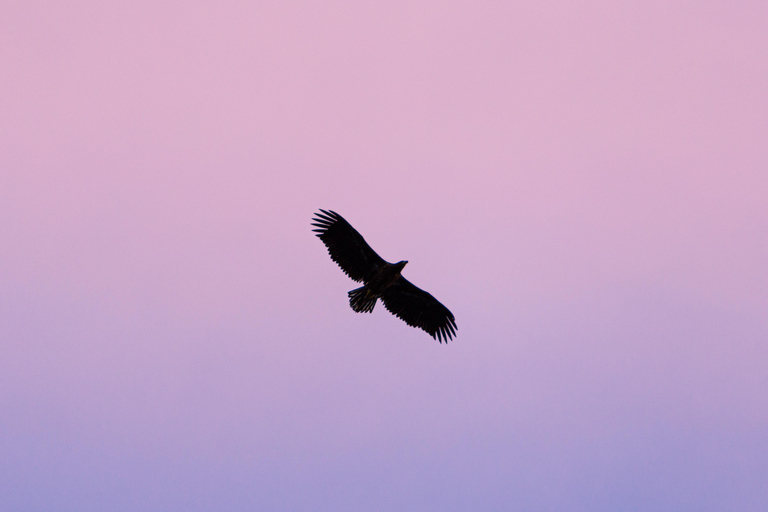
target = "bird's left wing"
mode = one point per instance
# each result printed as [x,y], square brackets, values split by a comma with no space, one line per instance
[419,309]
[345,245]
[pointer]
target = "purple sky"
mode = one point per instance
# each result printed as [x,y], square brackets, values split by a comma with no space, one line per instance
[584,184]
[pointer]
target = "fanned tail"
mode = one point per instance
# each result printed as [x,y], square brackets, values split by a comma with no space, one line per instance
[361,300]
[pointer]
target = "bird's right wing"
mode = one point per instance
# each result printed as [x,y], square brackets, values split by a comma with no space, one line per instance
[345,245]
[419,309]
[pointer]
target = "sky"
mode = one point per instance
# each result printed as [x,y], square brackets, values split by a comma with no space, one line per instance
[583,184]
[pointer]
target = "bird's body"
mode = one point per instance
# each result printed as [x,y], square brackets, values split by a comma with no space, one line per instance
[381,280]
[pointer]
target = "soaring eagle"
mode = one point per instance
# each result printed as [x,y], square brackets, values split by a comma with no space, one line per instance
[381,280]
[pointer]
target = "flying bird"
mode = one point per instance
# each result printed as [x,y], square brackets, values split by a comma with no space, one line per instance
[381,280]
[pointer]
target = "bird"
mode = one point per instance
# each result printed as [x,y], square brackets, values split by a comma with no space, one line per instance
[381,279]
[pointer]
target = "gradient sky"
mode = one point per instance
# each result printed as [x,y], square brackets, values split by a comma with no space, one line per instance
[584,184]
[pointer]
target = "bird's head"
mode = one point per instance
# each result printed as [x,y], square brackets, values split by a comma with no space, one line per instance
[400,265]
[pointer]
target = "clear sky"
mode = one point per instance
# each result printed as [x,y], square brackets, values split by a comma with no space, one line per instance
[584,184]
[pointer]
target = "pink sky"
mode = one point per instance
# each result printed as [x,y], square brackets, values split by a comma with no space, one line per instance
[585,186]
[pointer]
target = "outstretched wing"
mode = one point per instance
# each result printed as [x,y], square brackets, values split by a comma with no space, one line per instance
[419,309]
[345,245]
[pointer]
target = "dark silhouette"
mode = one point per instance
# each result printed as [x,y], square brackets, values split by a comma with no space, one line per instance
[381,279]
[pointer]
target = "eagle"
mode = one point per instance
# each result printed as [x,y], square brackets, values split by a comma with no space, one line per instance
[381,279]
